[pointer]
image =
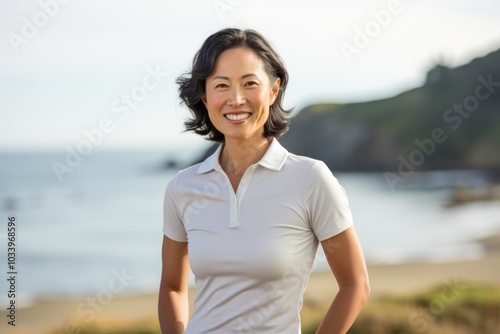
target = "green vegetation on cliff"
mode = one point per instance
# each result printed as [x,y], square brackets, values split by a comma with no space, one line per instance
[451,122]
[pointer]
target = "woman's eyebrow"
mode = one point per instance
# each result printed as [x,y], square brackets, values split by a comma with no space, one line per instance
[249,75]
[221,77]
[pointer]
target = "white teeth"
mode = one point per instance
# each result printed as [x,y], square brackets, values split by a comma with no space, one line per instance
[237,117]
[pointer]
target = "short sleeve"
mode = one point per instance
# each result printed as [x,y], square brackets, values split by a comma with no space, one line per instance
[173,227]
[328,206]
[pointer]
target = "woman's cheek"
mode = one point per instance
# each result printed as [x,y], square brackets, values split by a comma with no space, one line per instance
[216,102]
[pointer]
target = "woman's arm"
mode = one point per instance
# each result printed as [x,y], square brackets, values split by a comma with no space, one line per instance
[173,306]
[346,260]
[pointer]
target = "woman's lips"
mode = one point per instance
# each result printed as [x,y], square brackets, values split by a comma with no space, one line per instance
[237,116]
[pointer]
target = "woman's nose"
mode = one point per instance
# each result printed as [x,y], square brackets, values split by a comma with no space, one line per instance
[236,97]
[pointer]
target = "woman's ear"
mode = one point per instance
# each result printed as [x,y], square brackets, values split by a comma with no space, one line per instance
[275,90]
[204,99]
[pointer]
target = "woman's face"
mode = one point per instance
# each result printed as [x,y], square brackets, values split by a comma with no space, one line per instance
[239,93]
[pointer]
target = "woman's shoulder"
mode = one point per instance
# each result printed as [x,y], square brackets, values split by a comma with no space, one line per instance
[190,171]
[309,168]
[305,162]
[185,175]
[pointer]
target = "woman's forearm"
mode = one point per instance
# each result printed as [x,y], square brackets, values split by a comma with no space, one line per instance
[344,309]
[173,311]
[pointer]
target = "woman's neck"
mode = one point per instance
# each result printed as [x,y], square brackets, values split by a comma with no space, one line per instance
[238,155]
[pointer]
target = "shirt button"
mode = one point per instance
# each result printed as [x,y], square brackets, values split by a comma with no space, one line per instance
[245,181]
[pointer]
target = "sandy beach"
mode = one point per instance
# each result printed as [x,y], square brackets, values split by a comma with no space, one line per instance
[45,316]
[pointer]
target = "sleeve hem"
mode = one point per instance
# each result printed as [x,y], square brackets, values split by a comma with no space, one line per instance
[335,232]
[174,238]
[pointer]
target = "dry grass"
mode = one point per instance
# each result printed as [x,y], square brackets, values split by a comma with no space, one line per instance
[446,309]
[457,309]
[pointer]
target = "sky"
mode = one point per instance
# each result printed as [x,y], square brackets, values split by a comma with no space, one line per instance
[96,75]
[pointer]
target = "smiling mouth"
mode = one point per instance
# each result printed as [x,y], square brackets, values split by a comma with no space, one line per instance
[237,117]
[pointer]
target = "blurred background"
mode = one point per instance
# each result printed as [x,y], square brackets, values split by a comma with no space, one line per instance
[400,98]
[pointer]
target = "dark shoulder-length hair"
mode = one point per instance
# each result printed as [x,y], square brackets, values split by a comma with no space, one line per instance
[192,84]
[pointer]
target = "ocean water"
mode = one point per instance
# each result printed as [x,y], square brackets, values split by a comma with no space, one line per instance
[105,219]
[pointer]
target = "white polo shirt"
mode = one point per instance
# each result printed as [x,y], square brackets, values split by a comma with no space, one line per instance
[252,252]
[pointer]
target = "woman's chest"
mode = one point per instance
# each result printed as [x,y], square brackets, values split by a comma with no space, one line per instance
[270,236]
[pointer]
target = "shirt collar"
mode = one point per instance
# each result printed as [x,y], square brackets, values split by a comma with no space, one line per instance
[211,162]
[273,159]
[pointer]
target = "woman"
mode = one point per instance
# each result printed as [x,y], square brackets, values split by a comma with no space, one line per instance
[250,217]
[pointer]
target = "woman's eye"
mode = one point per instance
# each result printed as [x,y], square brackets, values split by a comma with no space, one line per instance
[251,83]
[221,85]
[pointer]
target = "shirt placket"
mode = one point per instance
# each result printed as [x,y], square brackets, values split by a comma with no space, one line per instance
[235,199]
